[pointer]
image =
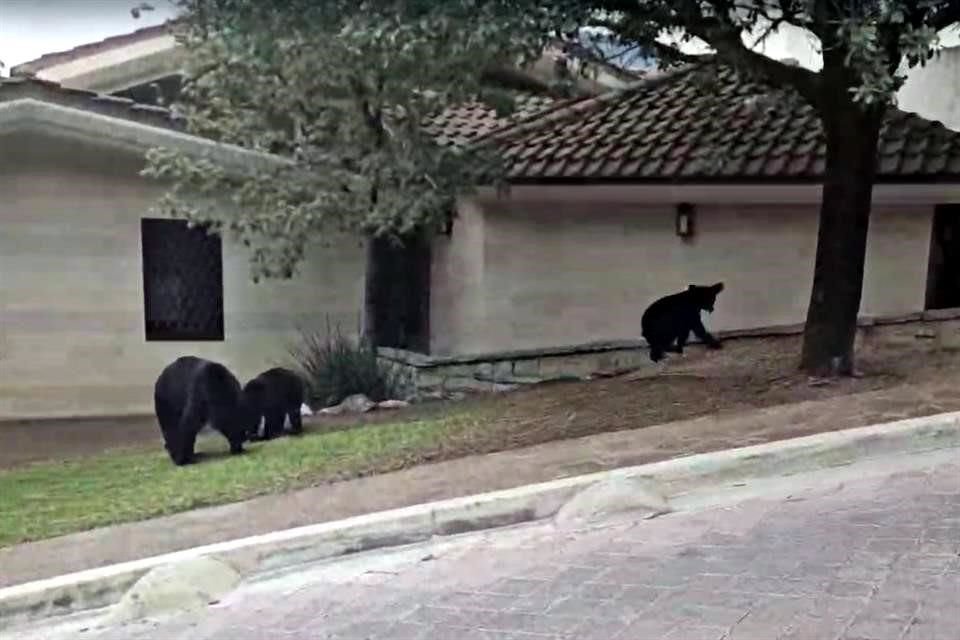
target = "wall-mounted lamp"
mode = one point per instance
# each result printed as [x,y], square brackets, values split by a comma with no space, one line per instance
[686,214]
[447,226]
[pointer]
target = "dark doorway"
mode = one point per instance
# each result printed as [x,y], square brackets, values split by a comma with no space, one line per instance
[943,273]
[403,294]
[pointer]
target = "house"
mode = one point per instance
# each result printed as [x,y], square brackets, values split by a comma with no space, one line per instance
[589,234]
[616,200]
[98,295]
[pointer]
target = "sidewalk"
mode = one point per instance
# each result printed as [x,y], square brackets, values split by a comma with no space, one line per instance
[819,569]
[465,476]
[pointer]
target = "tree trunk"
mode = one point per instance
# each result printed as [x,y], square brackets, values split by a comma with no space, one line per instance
[372,289]
[852,135]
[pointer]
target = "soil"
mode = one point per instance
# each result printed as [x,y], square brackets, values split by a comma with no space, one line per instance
[748,373]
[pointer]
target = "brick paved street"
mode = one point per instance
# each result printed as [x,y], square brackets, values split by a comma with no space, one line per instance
[876,559]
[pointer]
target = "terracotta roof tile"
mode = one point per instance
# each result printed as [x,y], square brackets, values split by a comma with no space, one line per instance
[702,123]
[465,123]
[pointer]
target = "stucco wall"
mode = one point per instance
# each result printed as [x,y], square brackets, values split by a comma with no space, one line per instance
[71,288]
[565,275]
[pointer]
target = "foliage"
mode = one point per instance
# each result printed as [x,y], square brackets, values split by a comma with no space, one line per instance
[869,38]
[341,89]
[337,366]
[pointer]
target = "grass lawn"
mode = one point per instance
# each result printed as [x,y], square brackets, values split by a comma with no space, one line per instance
[51,497]
[54,498]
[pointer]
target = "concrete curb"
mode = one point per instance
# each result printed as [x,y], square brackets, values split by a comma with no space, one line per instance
[102,587]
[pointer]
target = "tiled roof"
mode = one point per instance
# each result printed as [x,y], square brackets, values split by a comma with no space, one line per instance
[47,91]
[457,125]
[465,123]
[705,123]
[48,60]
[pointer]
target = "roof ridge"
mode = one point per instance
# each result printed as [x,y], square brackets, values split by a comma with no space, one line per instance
[570,108]
[54,58]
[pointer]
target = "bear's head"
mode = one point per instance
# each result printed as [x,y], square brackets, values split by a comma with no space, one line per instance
[705,296]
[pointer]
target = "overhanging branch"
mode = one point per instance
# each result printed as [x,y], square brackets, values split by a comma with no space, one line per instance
[947,16]
[675,54]
[730,48]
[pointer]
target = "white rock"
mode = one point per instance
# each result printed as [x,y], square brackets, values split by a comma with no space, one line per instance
[305,410]
[358,403]
[612,496]
[393,404]
[186,586]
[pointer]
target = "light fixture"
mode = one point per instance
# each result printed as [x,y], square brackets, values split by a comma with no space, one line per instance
[685,219]
[447,227]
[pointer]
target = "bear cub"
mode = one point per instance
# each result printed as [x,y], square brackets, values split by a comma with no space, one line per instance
[667,323]
[192,392]
[274,396]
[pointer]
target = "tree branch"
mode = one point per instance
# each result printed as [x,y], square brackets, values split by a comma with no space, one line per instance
[674,53]
[730,47]
[946,16]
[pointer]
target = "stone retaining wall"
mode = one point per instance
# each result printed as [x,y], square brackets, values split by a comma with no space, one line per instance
[434,376]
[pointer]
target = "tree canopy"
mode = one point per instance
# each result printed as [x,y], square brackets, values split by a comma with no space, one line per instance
[341,89]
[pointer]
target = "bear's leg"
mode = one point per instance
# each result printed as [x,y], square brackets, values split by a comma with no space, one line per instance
[296,422]
[274,423]
[236,437]
[225,422]
[656,352]
[236,446]
[701,332]
[169,418]
[183,450]
[191,422]
[256,431]
[682,338]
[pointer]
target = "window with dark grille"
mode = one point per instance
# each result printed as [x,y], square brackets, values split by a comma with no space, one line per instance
[182,281]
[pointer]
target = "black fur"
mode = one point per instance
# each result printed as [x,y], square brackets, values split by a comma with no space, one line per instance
[667,322]
[192,392]
[274,395]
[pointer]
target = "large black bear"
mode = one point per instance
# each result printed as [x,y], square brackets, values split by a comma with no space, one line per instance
[192,392]
[667,323]
[275,395]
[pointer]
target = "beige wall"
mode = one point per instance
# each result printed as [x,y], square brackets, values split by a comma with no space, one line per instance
[71,288]
[563,275]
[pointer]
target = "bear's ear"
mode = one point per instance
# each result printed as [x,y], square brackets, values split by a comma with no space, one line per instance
[717,287]
[692,287]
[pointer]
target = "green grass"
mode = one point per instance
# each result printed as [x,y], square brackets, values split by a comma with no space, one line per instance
[50,499]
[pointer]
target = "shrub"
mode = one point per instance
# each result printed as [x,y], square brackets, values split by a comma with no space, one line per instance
[336,366]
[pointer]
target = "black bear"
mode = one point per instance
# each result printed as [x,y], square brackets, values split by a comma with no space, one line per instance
[192,392]
[667,323]
[275,395]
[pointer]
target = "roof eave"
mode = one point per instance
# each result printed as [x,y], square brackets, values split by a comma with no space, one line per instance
[30,114]
[917,179]
[772,193]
